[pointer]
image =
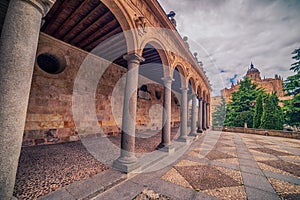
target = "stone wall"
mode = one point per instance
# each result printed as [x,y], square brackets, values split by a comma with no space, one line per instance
[276,133]
[50,116]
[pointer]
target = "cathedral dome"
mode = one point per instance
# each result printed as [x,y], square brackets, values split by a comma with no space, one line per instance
[253,73]
[252,69]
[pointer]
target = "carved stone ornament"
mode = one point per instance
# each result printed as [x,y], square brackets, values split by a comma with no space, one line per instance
[188,71]
[140,23]
[172,57]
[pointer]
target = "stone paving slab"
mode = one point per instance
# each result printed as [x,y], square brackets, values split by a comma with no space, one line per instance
[83,189]
[282,177]
[58,194]
[248,162]
[256,181]
[256,194]
[119,192]
[252,170]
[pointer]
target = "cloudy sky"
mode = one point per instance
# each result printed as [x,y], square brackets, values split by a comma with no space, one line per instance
[229,34]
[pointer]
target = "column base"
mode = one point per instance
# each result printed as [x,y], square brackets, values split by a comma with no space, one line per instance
[193,134]
[166,148]
[199,131]
[125,167]
[169,149]
[184,140]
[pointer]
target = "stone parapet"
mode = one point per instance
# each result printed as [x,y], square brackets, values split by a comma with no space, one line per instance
[275,133]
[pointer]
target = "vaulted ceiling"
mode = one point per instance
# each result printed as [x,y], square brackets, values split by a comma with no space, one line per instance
[88,23]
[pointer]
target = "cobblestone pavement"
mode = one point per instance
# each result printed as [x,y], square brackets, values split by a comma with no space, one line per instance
[44,169]
[48,168]
[223,165]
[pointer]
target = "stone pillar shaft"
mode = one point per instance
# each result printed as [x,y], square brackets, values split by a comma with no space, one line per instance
[183,115]
[18,45]
[200,121]
[127,158]
[194,111]
[204,116]
[207,115]
[166,135]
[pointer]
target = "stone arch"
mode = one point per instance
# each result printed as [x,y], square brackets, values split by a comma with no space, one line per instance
[199,91]
[193,84]
[182,73]
[125,21]
[161,49]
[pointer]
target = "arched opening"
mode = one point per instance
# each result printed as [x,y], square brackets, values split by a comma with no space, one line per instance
[149,113]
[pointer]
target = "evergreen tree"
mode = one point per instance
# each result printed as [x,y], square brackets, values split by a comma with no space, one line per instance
[268,113]
[272,117]
[292,86]
[219,114]
[258,111]
[241,107]
[278,117]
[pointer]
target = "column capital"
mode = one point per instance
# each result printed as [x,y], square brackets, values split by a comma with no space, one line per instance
[194,95]
[43,6]
[184,89]
[167,80]
[134,57]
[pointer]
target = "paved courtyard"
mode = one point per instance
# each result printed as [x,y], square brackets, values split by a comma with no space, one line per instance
[223,165]
[219,165]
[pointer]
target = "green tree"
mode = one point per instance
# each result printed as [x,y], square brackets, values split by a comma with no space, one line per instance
[241,107]
[258,111]
[219,114]
[292,86]
[291,111]
[272,117]
[278,117]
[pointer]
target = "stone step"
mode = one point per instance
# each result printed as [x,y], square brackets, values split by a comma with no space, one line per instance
[88,188]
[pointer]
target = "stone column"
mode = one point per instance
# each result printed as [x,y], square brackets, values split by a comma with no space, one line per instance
[204,115]
[166,132]
[207,116]
[127,161]
[183,115]
[18,45]
[200,110]
[194,114]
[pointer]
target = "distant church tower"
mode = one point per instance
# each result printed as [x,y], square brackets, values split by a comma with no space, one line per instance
[253,73]
[268,84]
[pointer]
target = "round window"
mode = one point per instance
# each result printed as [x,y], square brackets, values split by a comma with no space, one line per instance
[49,63]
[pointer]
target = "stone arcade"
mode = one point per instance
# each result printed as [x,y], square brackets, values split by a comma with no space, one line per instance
[45,42]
